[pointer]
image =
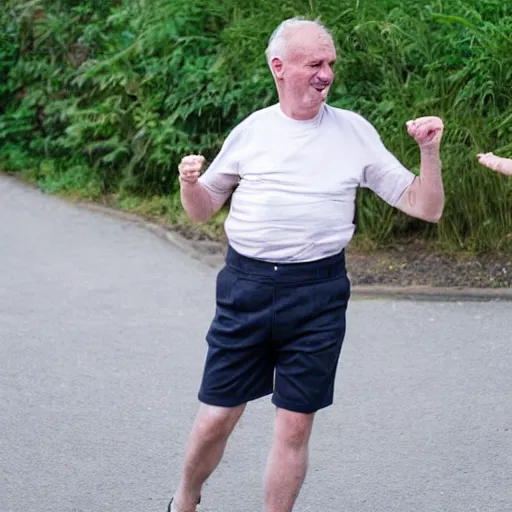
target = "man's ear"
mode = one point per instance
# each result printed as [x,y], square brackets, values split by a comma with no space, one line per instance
[277,67]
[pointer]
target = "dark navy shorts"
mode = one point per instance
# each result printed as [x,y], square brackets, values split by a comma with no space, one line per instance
[278,328]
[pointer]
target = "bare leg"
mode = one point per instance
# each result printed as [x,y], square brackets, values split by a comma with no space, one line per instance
[204,450]
[288,460]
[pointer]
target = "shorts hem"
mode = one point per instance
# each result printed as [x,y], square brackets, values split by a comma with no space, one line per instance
[301,408]
[229,402]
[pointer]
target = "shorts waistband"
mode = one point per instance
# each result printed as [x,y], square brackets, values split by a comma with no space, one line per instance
[325,268]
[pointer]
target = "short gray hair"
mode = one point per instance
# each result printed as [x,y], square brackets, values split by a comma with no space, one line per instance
[277,42]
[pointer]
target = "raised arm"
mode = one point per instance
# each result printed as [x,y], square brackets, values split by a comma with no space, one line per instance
[195,198]
[424,197]
[203,196]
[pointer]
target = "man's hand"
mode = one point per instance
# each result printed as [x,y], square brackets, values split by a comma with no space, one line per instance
[427,131]
[190,168]
[496,163]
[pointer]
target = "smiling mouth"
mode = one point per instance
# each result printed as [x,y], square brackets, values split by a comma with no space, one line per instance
[322,90]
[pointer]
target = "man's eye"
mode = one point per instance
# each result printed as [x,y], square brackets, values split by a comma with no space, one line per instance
[315,64]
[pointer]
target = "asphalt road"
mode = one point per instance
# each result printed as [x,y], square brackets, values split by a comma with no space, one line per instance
[102,330]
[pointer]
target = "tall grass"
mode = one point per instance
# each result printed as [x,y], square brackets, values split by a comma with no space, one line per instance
[110,95]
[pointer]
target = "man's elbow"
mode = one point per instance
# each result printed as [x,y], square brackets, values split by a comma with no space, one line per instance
[433,215]
[434,218]
[199,208]
[199,218]
[432,206]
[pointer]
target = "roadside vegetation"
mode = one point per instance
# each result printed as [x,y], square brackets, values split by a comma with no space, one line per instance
[100,99]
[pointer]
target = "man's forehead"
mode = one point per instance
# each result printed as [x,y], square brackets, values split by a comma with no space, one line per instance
[310,40]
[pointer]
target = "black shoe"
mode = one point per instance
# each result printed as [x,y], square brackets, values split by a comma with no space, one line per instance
[170,503]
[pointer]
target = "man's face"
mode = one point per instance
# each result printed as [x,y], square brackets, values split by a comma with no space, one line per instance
[305,74]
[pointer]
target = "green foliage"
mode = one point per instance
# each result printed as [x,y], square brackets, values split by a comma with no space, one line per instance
[107,96]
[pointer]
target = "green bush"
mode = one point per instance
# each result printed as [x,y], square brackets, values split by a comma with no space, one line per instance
[113,94]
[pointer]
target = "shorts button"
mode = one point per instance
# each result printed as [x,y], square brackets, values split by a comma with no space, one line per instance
[275,267]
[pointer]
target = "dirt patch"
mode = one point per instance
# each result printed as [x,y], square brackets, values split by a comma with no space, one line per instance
[414,266]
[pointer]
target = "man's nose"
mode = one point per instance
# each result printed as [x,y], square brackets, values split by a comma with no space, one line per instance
[326,74]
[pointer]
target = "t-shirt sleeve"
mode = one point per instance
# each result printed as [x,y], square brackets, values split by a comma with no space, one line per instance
[222,175]
[383,173]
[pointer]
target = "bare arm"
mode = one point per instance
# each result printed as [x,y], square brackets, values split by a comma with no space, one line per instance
[424,197]
[199,202]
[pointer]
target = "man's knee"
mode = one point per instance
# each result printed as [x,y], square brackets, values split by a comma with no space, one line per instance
[215,423]
[293,428]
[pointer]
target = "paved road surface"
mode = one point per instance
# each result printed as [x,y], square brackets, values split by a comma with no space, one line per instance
[101,346]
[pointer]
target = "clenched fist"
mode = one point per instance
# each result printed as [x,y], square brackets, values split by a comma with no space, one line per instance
[496,163]
[427,131]
[190,168]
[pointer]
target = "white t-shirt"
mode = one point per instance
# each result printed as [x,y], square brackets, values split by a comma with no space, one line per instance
[295,182]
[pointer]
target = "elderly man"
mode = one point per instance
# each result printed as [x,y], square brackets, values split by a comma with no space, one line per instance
[496,163]
[292,170]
